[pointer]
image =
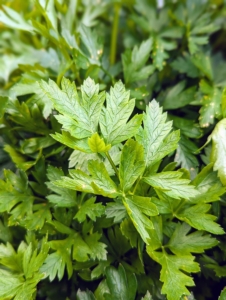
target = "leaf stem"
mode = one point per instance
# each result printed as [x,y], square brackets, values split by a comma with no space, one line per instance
[177,209]
[114,35]
[112,163]
[136,185]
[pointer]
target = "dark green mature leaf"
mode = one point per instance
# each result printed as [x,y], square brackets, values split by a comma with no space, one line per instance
[185,155]
[63,197]
[134,62]
[88,247]
[59,261]
[121,285]
[196,217]
[196,242]
[131,165]
[155,137]
[113,119]
[90,209]
[209,186]
[172,184]
[130,232]
[88,295]
[178,96]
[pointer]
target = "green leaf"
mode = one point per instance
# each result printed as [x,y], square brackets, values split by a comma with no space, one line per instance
[121,285]
[222,295]
[139,208]
[218,153]
[196,217]
[134,62]
[159,53]
[14,20]
[182,243]
[3,103]
[63,197]
[185,155]
[155,137]
[147,296]
[26,262]
[172,274]
[131,164]
[97,145]
[171,183]
[88,295]
[113,119]
[92,44]
[98,250]
[178,96]
[184,64]
[101,182]
[115,210]
[56,262]
[90,209]
[80,115]
[130,232]
[211,103]
[209,186]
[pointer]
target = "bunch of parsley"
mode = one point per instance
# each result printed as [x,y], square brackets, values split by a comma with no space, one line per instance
[112,149]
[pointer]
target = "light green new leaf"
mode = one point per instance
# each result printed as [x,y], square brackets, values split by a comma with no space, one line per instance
[172,184]
[155,137]
[90,209]
[113,119]
[121,285]
[79,116]
[197,217]
[97,144]
[182,243]
[172,275]
[139,208]
[131,164]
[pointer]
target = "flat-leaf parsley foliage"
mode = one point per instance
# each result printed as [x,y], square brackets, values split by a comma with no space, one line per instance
[91,125]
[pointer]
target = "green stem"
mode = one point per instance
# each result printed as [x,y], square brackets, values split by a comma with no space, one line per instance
[136,185]
[114,35]
[112,163]
[177,209]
